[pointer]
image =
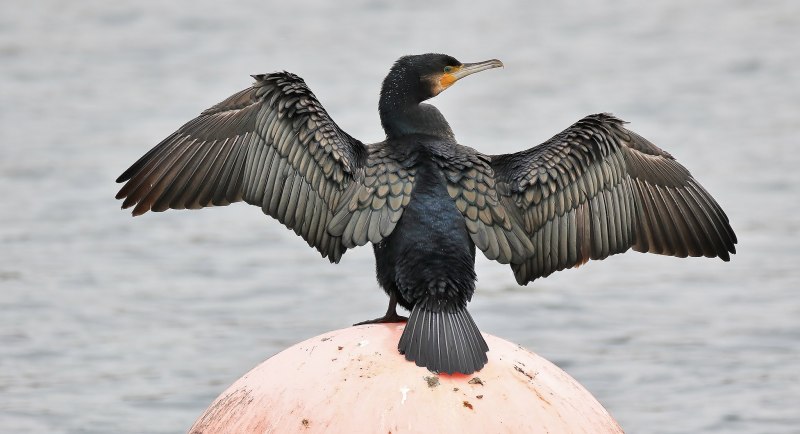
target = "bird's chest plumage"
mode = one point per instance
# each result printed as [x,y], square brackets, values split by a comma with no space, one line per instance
[430,253]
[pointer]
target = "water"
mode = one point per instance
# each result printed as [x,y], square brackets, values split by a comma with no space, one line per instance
[114,324]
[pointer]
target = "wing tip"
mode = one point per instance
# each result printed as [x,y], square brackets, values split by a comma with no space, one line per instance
[136,212]
[725,255]
[139,210]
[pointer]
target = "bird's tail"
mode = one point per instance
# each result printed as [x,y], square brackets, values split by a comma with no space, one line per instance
[445,341]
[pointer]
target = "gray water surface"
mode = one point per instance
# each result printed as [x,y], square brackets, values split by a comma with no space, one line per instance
[115,324]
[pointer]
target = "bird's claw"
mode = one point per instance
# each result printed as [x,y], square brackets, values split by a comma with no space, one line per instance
[384,319]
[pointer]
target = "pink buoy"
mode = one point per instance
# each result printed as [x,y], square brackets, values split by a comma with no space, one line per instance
[354,381]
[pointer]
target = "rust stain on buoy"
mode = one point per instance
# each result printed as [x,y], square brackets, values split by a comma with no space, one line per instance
[542,398]
[522,371]
[475,380]
[432,381]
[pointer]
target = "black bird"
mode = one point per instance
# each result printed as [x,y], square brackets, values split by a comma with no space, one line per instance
[424,201]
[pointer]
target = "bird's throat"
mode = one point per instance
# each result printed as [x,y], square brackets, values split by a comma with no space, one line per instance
[415,119]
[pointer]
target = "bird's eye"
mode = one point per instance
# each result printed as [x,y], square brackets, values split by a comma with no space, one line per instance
[448,69]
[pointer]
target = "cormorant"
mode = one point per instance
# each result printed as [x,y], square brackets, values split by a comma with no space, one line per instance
[425,201]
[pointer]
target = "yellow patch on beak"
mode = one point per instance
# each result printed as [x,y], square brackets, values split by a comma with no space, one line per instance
[445,80]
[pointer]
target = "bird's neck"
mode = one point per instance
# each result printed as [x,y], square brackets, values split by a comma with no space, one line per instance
[418,119]
[402,111]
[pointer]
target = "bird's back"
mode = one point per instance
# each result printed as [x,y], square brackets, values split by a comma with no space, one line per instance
[430,246]
[428,261]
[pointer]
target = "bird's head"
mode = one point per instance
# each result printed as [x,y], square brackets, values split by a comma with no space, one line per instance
[429,74]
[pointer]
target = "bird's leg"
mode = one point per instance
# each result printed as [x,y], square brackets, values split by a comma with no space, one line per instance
[391,314]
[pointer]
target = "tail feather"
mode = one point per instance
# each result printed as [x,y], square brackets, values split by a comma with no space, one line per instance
[445,341]
[461,345]
[474,338]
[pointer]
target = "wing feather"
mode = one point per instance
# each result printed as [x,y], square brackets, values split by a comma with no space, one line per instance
[272,145]
[495,229]
[598,189]
[370,210]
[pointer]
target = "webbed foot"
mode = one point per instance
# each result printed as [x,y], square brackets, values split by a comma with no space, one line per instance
[389,317]
[391,314]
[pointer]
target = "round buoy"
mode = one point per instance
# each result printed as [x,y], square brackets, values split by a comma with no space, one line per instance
[354,381]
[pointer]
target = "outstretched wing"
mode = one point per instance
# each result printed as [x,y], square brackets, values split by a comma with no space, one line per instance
[272,145]
[597,189]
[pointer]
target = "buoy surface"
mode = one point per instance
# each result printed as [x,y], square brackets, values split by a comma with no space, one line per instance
[354,381]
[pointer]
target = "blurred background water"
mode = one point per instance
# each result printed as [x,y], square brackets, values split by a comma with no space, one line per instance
[114,324]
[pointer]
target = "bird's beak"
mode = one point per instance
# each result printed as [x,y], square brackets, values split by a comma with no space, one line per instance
[471,68]
[445,80]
